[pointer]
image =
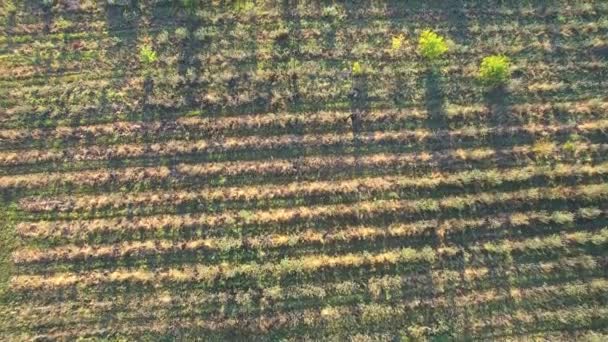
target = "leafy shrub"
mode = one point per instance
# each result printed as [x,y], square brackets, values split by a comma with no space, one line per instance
[543,148]
[332,12]
[181,33]
[189,6]
[162,37]
[589,213]
[562,217]
[147,56]
[494,70]
[357,69]
[431,45]
[397,42]
[244,5]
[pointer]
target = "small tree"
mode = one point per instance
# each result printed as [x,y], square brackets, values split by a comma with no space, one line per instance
[358,69]
[494,70]
[147,56]
[431,45]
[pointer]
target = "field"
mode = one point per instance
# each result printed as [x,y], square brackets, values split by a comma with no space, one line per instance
[290,170]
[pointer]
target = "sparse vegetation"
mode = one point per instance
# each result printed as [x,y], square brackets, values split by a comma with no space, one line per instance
[277,170]
[431,45]
[147,56]
[357,69]
[495,70]
[397,43]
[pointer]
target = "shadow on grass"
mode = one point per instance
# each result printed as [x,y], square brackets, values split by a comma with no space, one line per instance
[434,99]
[189,61]
[359,108]
[498,104]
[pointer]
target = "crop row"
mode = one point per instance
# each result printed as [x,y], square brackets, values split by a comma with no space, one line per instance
[264,87]
[364,187]
[495,226]
[267,15]
[225,76]
[305,141]
[349,43]
[235,29]
[581,334]
[342,322]
[383,284]
[374,288]
[272,171]
[281,216]
[305,264]
[317,122]
[311,95]
[226,67]
[375,312]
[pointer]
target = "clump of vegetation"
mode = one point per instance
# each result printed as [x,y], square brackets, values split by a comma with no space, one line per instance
[543,148]
[358,69]
[495,70]
[9,7]
[333,12]
[181,33]
[147,55]
[189,6]
[244,5]
[431,45]
[397,43]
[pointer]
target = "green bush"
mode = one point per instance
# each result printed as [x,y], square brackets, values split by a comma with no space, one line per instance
[494,70]
[147,56]
[357,69]
[189,6]
[431,45]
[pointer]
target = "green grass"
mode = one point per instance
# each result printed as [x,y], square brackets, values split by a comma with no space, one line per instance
[260,171]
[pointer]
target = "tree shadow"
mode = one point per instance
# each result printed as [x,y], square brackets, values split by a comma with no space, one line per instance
[47,15]
[10,21]
[499,273]
[600,53]
[402,93]
[552,21]
[359,108]
[497,102]
[289,12]
[456,17]
[435,101]
[122,20]
[189,60]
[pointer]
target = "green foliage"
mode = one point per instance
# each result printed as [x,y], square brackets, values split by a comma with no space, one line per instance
[244,5]
[9,8]
[431,45]
[397,44]
[495,70]
[357,69]
[589,213]
[562,217]
[332,11]
[181,33]
[62,24]
[7,244]
[189,6]
[147,55]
